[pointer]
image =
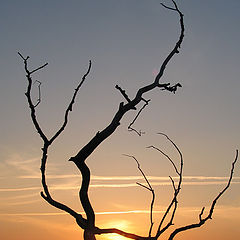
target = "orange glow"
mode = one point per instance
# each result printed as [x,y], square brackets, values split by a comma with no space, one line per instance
[123,225]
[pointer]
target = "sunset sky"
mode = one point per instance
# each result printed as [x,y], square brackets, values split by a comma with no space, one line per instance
[127,40]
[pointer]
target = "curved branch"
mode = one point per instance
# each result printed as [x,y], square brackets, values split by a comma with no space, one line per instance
[130,128]
[210,213]
[83,194]
[70,106]
[29,98]
[178,44]
[83,154]
[174,201]
[46,194]
[122,233]
[100,136]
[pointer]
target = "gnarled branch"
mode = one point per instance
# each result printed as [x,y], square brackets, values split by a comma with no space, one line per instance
[46,142]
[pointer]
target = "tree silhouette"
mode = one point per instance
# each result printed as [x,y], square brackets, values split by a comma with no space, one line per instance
[88,223]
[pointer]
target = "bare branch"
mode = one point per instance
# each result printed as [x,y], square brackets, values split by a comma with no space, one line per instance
[141,185]
[122,233]
[37,69]
[173,88]
[39,93]
[85,152]
[170,8]
[46,194]
[174,202]
[201,213]
[167,156]
[89,223]
[23,58]
[123,92]
[148,188]
[29,98]
[80,220]
[210,213]
[173,184]
[70,106]
[177,46]
[130,128]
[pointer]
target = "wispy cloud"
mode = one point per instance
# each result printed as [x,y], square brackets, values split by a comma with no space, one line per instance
[127,178]
[125,185]
[97,213]
[15,197]
[23,202]
[76,186]
[143,211]
[29,166]
[18,189]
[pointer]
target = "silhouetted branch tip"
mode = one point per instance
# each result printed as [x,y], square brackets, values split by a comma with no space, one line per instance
[130,128]
[201,213]
[172,88]
[149,187]
[123,92]
[21,56]
[170,8]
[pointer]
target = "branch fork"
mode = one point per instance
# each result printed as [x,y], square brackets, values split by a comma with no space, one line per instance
[88,223]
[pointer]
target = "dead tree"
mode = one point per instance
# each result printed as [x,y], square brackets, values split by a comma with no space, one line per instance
[88,223]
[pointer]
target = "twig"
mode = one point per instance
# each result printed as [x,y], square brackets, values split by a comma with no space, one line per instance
[123,92]
[148,187]
[70,106]
[173,88]
[167,156]
[130,128]
[37,69]
[174,202]
[39,93]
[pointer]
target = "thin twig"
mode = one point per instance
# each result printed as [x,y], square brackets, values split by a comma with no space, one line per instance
[149,187]
[130,128]
[70,106]
[37,69]
[39,93]
[167,156]
[174,201]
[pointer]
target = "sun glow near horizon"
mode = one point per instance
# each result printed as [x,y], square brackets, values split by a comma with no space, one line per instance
[123,225]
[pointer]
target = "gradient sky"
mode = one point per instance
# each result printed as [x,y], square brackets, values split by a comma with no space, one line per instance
[126,41]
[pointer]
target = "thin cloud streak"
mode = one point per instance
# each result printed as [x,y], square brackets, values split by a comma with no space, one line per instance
[24,202]
[127,178]
[97,213]
[4,198]
[159,184]
[18,189]
[120,185]
[187,209]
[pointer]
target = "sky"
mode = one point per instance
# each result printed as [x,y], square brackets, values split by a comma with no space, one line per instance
[127,42]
